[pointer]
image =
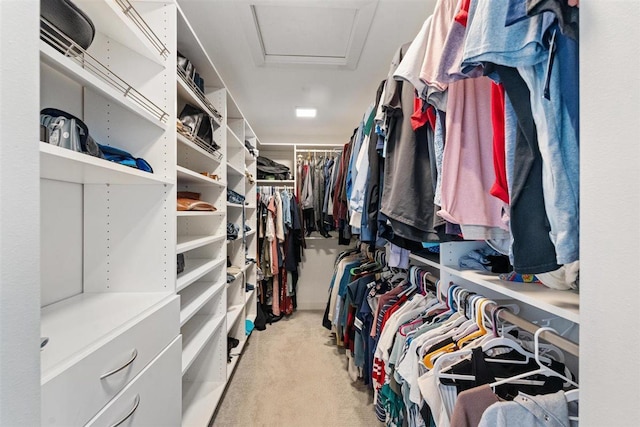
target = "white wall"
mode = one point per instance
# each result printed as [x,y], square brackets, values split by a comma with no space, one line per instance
[19,215]
[316,271]
[610,212]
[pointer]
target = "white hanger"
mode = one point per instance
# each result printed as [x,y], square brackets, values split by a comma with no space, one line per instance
[542,369]
[572,396]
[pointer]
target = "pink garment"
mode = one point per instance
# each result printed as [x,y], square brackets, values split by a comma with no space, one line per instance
[275,305]
[467,164]
[443,15]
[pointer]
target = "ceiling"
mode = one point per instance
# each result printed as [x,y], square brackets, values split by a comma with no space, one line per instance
[276,55]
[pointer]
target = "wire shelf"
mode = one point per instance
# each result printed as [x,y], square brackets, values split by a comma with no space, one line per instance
[132,13]
[74,52]
[200,143]
[189,82]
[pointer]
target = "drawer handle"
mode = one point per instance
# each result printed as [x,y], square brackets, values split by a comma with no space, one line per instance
[129,362]
[126,417]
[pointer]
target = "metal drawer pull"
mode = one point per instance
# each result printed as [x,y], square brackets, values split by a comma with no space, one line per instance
[129,362]
[126,417]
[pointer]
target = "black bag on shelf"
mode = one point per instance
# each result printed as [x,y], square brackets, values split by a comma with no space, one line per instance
[186,66]
[268,169]
[67,131]
[199,123]
[180,266]
[66,18]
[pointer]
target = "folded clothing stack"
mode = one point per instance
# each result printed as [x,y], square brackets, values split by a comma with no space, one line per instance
[485,259]
[233,197]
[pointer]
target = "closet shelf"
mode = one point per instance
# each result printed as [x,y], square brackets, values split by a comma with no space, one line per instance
[198,213]
[235,355]
[275,182]
[78,324]
[195,269]
[187,243]
[187,176]
[250,206]
[234,170]
[196,333]
[199,400]
[233,141]
[233,312]
[189,45]
[193,298]
[564,304]
[188,91]
[91,73]
[62,164]
[120,21]
[250,233]
[235,205]
[431,261]
[248,157]
[198,147]
[249,296]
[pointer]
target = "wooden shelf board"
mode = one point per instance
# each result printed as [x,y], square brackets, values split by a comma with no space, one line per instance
[195,269]
[195,297]
[196,333]
[66,165]
[187,243]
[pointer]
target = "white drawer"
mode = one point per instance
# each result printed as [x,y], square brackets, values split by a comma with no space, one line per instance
[78,393]
[152,399]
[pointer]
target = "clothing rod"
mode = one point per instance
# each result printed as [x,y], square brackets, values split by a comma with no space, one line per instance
[550,337]
[300,150]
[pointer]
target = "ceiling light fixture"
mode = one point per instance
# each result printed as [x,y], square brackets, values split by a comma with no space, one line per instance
[305,112]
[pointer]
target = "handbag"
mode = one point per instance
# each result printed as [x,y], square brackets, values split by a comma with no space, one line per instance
[62,20]
[67,131]
[180,266]
[190,201]
[199,123]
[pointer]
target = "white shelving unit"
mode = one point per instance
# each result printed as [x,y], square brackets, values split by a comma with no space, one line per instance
[107,240]
[210,307]
[535,301]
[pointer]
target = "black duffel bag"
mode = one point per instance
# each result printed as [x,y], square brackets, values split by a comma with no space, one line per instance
[268,169]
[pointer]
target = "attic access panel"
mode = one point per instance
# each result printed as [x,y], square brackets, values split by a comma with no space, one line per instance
[330,33]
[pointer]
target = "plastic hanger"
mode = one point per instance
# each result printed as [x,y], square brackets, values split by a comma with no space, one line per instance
[482,328]
[542,369]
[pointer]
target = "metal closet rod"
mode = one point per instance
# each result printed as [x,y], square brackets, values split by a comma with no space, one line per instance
[550,337]
[318,151]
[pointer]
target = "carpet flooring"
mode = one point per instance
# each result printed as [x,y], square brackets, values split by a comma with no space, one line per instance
[292,374]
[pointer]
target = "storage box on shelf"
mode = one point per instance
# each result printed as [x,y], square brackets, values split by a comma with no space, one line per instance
[107,239]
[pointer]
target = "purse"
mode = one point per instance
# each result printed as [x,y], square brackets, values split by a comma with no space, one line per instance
[67,131]
[180,266]
[63,20]
[190,201]
[199,123]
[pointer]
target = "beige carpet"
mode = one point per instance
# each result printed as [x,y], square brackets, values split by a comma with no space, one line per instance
[292,375]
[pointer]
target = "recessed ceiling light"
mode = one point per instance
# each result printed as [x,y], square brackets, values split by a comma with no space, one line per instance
[305,112]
